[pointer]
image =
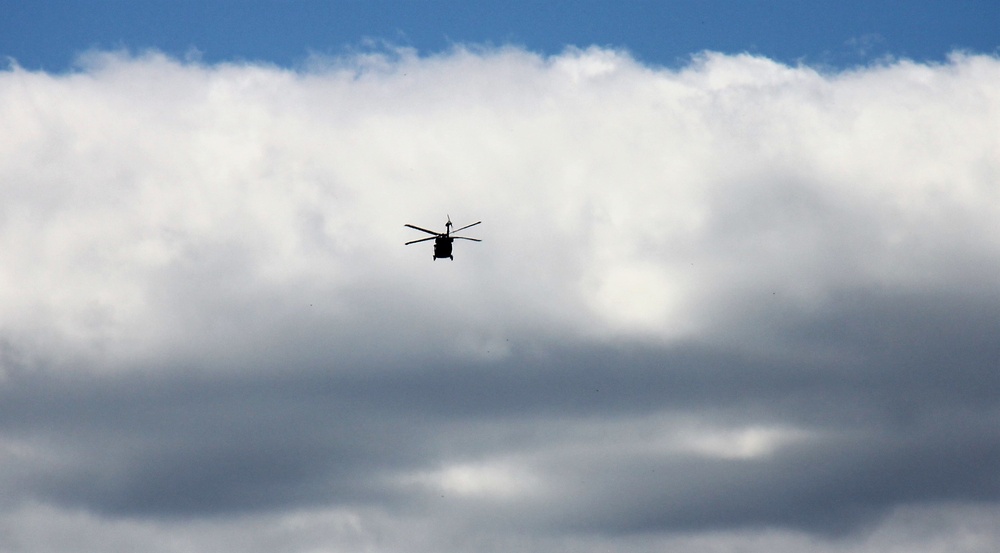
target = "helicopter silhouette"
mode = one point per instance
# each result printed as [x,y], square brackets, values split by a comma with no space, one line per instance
[442,240]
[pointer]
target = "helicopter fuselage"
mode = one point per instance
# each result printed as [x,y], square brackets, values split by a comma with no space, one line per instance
[442,247]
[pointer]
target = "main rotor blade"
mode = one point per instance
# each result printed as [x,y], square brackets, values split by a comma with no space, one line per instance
[467,226]
[462,238]
[421,240]
[423,229]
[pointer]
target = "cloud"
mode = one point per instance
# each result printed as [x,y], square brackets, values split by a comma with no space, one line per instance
[734,302]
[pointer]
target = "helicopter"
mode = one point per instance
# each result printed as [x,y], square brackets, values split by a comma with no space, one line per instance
[442,240]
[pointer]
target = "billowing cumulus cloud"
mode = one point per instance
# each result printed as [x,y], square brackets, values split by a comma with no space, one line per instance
[735,302]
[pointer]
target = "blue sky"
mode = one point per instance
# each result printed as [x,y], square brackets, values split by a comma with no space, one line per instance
[49,34]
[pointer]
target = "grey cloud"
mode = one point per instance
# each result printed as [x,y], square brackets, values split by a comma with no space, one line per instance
[191,445]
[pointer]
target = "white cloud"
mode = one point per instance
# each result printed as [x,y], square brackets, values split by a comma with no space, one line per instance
[609,190]
[495,480]
[736,443]
[202,274]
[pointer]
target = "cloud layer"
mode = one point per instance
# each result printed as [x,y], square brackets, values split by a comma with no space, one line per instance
[738,302]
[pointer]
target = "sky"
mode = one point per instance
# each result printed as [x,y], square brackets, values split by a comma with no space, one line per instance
[735,292]
[51,34]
